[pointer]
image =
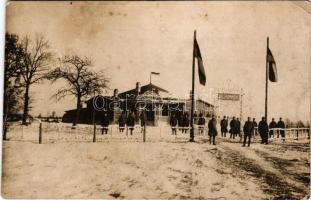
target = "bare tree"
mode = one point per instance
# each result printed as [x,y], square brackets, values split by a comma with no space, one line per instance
[37,58]
[81,81]
[13,63]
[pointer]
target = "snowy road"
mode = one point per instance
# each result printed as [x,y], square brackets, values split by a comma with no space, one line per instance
[155,170]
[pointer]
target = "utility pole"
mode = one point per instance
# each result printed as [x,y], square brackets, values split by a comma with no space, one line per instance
[192,90]
[267,74]
[241,105]
[94,121]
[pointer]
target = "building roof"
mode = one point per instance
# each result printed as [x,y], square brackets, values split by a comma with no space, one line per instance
[143,89]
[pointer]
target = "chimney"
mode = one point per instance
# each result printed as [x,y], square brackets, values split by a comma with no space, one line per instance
[115,92]
[138,87]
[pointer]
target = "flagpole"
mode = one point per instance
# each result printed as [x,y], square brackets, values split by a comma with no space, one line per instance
[267,74]
[192,91]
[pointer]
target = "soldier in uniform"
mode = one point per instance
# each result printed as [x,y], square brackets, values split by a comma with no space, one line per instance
[201,123]
[186,123]
[248,131]
[233,128]
[263,130]
[272,125]
[105,123]
[131,122]
[227,129]
[181,122]
[224,125]
[143,119]
[121,122]
[281,125]
[195,118]
[173,123]
[212,130]
[255,126]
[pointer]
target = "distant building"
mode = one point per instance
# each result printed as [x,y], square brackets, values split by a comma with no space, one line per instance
[156,102]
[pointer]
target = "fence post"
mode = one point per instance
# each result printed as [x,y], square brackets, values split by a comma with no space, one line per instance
[94,133]
[40,133]
[127,131]
[22,131]
[22,136]
[144,135]
[58,131]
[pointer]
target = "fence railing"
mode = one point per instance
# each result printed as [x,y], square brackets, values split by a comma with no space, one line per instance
[286,133]
[60,132]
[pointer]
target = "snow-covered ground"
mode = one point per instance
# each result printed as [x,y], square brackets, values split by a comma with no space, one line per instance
[69,165]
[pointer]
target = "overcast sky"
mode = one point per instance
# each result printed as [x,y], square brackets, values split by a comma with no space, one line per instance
[131,39]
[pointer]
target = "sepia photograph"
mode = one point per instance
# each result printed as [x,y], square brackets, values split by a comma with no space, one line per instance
[156,100]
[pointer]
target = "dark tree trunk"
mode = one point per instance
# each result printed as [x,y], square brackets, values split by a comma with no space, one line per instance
[5,121]
[5,129]
[78,111]
[5,109]
[5,114]
[26,104]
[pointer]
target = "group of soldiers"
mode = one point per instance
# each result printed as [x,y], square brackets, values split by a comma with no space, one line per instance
[182,122]
[250,128]
[124,120]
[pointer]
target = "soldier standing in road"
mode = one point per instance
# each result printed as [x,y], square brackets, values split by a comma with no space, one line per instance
[263,130]
[201,123]
[121,122]
[181,122]
[186,122]
[105,123]
[224,125]
[233,127]
[272,125]
[131,122]
[173,123]
[255,126]
[195,118]
[281,125]
[248,131]
[227,120]
[143,119]
[212,130]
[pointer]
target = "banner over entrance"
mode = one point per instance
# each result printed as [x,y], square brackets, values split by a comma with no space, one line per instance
[228,96]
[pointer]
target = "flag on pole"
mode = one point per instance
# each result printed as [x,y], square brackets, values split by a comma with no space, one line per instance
[273,77]
[197,54]
[155,73]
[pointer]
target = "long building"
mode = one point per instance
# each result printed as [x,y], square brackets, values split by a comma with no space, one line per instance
[156,102]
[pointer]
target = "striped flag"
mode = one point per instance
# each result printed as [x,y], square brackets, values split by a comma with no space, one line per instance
[273,76]
[197,54]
